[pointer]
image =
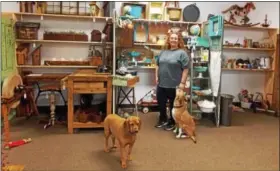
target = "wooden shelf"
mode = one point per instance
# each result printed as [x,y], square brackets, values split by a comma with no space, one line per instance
[148,44]
[62,16]
[249,28]
[164,21]
[88,125]
[248,70]
[254,49]
[141,67]
[62,41]
[55,66]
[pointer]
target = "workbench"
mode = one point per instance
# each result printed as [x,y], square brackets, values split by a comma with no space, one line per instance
[87,81]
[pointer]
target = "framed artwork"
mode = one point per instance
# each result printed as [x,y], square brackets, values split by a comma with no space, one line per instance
[173,4]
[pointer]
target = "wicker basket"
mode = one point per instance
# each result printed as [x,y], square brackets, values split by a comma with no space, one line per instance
[27,30]
[174,14]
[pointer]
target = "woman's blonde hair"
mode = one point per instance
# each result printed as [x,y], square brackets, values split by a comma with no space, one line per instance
[181,44]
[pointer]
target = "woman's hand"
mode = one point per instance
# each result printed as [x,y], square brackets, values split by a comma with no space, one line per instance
[182,86]
[156,80]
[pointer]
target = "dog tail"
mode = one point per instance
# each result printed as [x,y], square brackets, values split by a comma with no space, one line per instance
[193,139]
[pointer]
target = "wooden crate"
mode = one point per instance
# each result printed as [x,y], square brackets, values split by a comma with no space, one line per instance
[22,55]
[65,36]
[27,30]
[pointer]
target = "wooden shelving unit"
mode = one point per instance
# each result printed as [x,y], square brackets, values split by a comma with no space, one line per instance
[41,18]
[147,44]
[61,41]
[228,26]
[56,66]
[248,70]
[19,14]
[164,21]
[248,49]
[269,73]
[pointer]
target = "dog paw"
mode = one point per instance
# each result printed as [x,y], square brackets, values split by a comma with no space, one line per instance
[129,158]
[113,148]
[124,166]
[106,150]
[184,136]
[175,131]
[178,136]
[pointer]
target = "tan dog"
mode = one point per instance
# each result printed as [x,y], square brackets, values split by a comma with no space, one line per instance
[184,121]
[125,130]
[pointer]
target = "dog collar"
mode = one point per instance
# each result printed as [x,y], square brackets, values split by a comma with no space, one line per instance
[177,106]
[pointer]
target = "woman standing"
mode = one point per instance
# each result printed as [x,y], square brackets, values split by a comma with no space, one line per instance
[171,71]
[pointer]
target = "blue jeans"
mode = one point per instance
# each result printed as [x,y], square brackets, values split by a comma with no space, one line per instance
[164,94]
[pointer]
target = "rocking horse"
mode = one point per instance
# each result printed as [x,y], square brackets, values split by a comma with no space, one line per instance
[237,11]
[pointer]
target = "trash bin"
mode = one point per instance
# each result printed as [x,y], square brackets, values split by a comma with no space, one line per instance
[226,109]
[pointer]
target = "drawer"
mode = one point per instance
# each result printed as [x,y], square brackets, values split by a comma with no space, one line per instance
[88,85]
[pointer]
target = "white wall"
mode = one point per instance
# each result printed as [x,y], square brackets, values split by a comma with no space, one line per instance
[232,81]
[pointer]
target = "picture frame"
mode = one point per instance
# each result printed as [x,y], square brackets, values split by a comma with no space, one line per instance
[138,11]
[172,4]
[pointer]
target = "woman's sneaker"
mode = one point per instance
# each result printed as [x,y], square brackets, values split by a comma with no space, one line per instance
[161,124]
[169,127]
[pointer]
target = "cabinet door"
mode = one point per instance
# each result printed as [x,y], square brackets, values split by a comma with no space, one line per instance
[8,64]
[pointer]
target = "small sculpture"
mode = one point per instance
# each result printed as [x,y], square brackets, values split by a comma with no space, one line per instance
[266,23]
[94,9]
[237,11]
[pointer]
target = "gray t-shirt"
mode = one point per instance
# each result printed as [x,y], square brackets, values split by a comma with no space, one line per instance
[171,64]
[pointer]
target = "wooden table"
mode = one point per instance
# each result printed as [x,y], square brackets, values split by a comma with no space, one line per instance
[87,82]
[46,77]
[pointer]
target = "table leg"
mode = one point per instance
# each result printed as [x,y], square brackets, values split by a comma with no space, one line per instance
[5,133]
[52,108]
[70,94]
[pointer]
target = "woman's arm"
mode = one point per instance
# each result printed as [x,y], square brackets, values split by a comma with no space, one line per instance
[185,64]
[157,65]
[184,78]
[156,74]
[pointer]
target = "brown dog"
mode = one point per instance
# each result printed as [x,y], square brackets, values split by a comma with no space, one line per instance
[125,130]
[184,121]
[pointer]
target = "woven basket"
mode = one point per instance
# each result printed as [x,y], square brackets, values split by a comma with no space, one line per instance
[174,14]
[120,81]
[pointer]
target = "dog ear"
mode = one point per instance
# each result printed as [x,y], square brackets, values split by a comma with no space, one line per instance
[126,124]
[140,123]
